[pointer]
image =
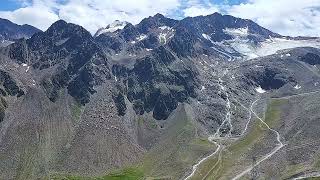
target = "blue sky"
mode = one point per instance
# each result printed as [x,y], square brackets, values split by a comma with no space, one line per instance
[287,17]
[7,5]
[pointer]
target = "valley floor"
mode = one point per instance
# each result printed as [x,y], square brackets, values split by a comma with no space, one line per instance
[277,144]
[266,150]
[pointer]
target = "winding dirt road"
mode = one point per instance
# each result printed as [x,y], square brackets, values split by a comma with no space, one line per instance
[195,167]
[276,149]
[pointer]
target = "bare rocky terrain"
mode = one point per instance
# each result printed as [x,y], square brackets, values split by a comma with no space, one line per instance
[209,97]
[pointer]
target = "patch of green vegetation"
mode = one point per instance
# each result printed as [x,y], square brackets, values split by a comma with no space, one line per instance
[147,123]
[61,177]
[224,163]
[317,164]
[272,117]
[201,142]
[140,121]
[125,174]
[292,170]
[27,163]
[153,124]
[178,149]
[76,110]
[274,111]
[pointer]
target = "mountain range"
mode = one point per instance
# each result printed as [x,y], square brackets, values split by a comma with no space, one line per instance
[10,32]
[207,97]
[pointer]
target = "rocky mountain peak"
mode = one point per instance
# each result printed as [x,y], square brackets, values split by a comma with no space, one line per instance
[155,21]
[58,25]
[10,31]
[62,29]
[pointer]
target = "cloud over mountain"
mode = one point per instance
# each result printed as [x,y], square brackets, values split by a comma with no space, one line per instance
[295,18]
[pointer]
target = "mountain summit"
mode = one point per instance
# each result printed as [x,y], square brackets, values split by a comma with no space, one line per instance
[10,32]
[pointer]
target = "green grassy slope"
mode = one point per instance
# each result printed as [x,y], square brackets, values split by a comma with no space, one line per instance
[173,156]
[233,157]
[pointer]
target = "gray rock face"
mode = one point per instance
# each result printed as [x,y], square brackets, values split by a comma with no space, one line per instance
[155,84]
[71,53]
[9,87]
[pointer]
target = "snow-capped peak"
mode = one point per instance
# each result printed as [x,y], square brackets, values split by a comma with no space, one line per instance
[116,25]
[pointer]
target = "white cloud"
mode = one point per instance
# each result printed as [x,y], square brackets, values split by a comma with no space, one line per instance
[94,14]
[37,14]
[287,17]
[198,7]
[91,14]
[197,11]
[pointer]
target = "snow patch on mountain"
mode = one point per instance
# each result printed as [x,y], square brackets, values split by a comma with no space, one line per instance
[276,44]
[269,47]
[165,28]
[116,25]
[244,47]
[141,37]
[4,43]
[242,32]
[297,86]
[260,90]
[165,34]
[207,37]
[26,66]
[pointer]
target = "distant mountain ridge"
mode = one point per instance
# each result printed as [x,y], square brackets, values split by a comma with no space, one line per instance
[10,31]
[181,36]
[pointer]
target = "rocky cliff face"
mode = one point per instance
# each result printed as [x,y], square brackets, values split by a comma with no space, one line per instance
[70,54]
[155,48]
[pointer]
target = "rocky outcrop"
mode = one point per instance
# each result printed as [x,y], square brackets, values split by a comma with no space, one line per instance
[311,58]
[8,87]
[270,78]
[156,85]
[71,53]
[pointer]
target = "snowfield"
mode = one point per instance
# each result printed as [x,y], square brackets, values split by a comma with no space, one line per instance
[270,46]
